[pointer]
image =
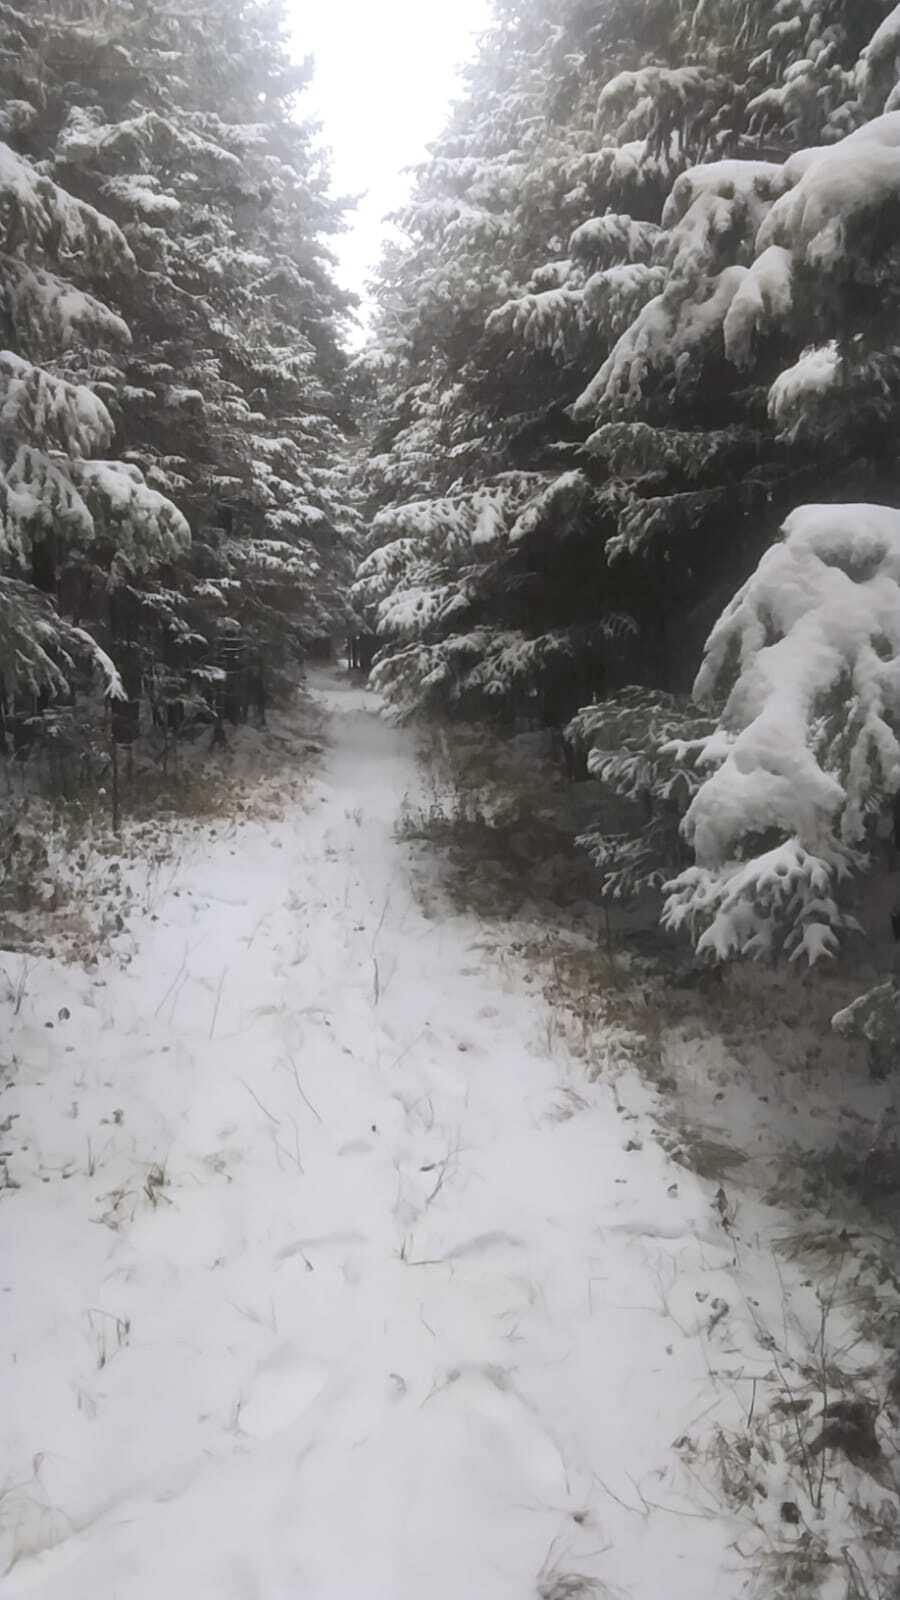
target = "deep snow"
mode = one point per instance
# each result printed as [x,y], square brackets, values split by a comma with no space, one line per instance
[330,1274]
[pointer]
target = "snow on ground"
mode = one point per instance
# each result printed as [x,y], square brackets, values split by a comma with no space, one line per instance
[326,1272]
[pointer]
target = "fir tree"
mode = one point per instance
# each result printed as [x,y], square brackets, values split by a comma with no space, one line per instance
[222,367]
[60,508]
[604,184]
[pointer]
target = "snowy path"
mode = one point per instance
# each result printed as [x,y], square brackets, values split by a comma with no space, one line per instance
[319,1281]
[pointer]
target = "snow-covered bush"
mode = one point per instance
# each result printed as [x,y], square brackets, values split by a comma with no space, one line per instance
[804,669]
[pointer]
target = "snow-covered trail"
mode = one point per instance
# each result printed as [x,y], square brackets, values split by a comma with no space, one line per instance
[329,1274]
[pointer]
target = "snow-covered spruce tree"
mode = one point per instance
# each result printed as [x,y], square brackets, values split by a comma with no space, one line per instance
[578,236]
[693,415]
[805,754]
[61,508]
[466,427]
[436,556]
[226,401]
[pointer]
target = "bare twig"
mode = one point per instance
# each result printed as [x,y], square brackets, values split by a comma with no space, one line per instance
[174,980]
[303,1096]
[262,1108]
[212,1026]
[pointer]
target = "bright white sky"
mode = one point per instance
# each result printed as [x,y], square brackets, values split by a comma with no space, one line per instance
[385,77]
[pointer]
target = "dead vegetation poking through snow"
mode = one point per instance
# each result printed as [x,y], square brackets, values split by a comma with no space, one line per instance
[754,1094]
[495,812]
[69,883]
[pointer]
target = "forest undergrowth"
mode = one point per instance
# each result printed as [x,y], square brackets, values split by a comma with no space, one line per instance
[64,844]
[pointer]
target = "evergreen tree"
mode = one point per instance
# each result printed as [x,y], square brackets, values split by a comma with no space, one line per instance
[795,778]
[61,508]
[604,184]
[222,372]
[690,239]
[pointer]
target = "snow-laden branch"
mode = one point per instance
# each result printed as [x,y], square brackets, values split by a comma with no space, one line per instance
[805,666]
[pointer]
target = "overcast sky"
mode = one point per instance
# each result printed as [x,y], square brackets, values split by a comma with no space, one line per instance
[385,77]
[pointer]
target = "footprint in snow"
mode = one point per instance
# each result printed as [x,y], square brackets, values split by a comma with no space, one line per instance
[502,1420]
[481,1244]
[301,1247]
[283,1387]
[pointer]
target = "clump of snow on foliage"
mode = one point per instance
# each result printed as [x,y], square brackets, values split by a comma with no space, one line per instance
[734,233]
[50,312]
[831,185]
[37,500]
[614,239]
[668,329]
[764,297]
[141,193]
[797,389]
[805,664]
[874,1017]
[722,200]
[144,526]
[41,409]
[39,649]
[46,217]
[878,67]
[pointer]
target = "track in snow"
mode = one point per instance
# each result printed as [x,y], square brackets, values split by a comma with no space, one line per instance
[337,1301]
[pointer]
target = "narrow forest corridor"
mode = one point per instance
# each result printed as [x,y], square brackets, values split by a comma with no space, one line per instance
[333,1275]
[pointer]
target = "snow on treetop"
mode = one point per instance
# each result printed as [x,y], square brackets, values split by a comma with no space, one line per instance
[636,160]
[882,130]
[885,40]
[16,116]
[274,558]
[539,319]
[561,497]
[613,296]
[719,216]
[37,647]
[805,663]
